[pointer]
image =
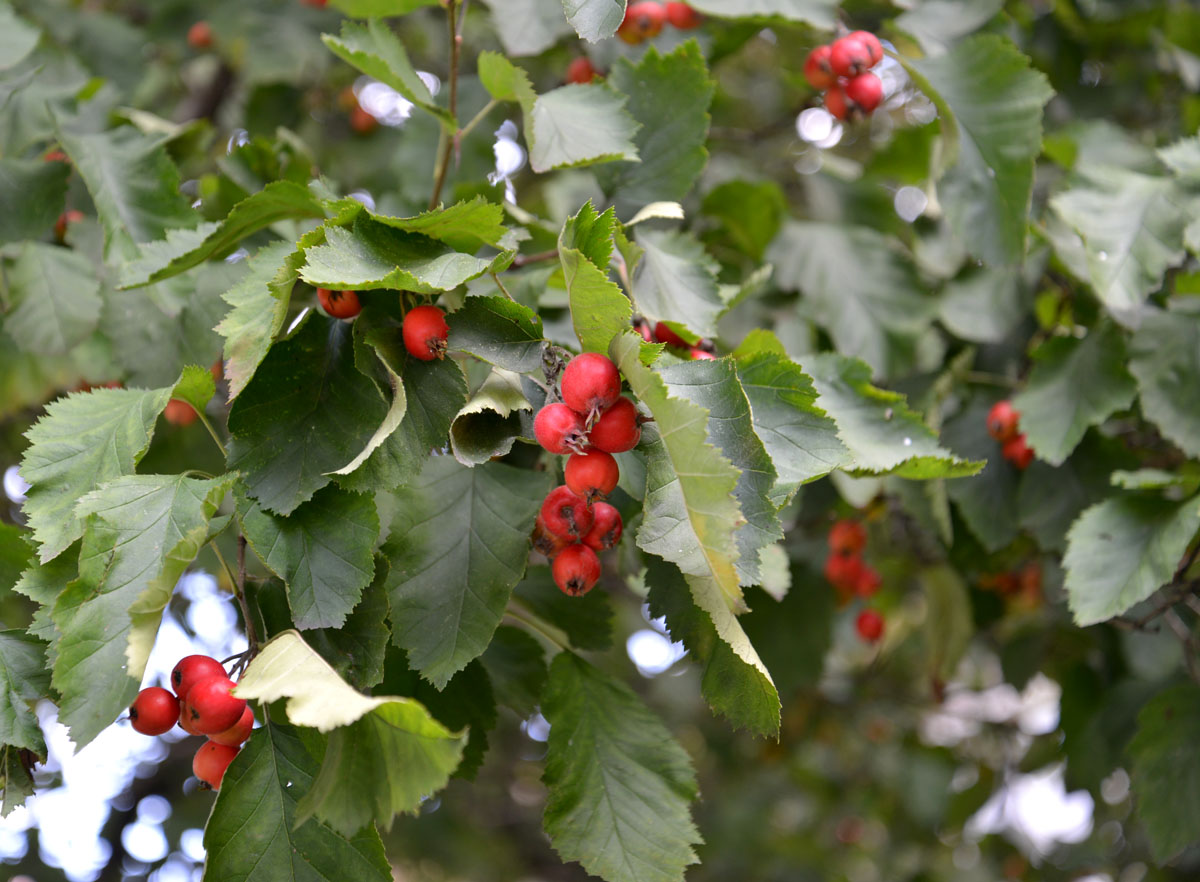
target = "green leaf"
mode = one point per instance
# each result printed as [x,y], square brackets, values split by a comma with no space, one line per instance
[528,27]
[465,226]
[183,249]
[357,649]
[24,679]
[669,97]
[735,682]
[306,412]
[18,38]
[986,501]
[490,422]
[793,635]
[81,442]
[458,545]
[16,555]
[1122,550]
[751,213]
[1154,479]
[594,20]
[252,834]
[1166,770]
[818,13]
[619,783]
[599,310]
[516,666]
[938,24]
[586,622]
[54,299]
[33,193]
[949,626]
[505,81]
[881,432]
[141,533]
[379,8]
[871,303]
[1074,384]
[377,51]
[196,386]
[983,305]
[18,786]
[1165,360]
[322,551]
[995,101]
[677,279]
[579,125]
[499,331]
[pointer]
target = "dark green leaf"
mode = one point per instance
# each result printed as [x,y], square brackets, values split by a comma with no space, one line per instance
[987,501]
[356,650]
[33,193]
[516,666]
[587,622]
[18,786]
[24,679]
[1166,770]
[677,279]
[1165,359]
[793,635]
[499,331]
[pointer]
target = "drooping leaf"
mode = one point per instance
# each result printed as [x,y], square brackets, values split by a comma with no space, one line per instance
[54,299]
[489,424]
[33,193]
[1165,360]
[516,665]
[619,783]
[598,308]
[594,20]
[465,226]
[677,279]
[1166,771]
[499,331]
[196,386]
[24,678]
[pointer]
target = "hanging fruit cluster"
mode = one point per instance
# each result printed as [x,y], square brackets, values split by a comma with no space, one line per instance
[851,576]
[1002,424]
[842,70]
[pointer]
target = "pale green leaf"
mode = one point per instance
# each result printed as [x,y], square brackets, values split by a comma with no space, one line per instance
[54,299]
[579,125]
[677,279]
[599,310]
[18,38]
[528,27]
[594,20]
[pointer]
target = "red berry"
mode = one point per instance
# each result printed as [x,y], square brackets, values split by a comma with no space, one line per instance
[191,669]
[617,429]
[211,761]
[566,514]
[576,570]
[866,91]
[664,334]
[642,21]
[847,537]
[869,625]
[1016,451]
[590,383]
[362,121]
[1002,421]
[179,413]
[817,70]
[606,527]
[55,156]
[210,707]
[545,542]
[701,355]
[592,475]
[154,711]
[185,724]
[425,332]
[580,70]
[870,43]
[868,582]
[837,104]
[643,327]
[67,217]
[200,35]
[339,304]
[682,16]
[559,429]
[849,57]
[843,571]
[238,732]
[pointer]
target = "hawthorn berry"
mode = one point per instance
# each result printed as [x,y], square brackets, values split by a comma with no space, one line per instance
[566,514]
[871,43]
[339,304]
[200,35]
[664,334]
[71,216]
[865,91]
[559,429]
[211,761]
[848,57]
[210,706]
[592,474]
[547,543]
[642,21]
[425,332]
[843,571]
[617,430]
[363,121]
[1018,452]
[847,537]
[576,570]
[238,732]
[868,581]
[817,70]
[837,103]
[179,413]
[869,625]
[154,711]
[185,724]
[606,527]
[697,354]
[581,70]
[1002,421]
[682,16]
[55,156]
[191,669]
[590,383]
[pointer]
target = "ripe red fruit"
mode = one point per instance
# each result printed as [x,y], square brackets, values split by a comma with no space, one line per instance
[425,332]
[869,625]
[154,711]
[191,669]
[642,21]
[837,103]
[817,70]
[606,527]
[67,217]
[566,514]
[617,430]
[847,537]
[580,70]
[238,732]
[664,334]
[682,16]
[701,355]
[545,542]
[559,429]
[55,156]
[843,571]
[870,43]
[592,475]
[576,570]
[339,304]
[590,383]
[865,90]
[849,57]
[868,582]
[362,121]
[1002,421]
[1016,451]
[643,327]
[210,707]
[185,724]
[211,761]
[200,35]
[179,413]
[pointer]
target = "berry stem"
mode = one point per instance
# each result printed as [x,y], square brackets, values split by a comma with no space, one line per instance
[540,257]
[538,626]
[500,285]
[211,431]
[477,119]
[447,143]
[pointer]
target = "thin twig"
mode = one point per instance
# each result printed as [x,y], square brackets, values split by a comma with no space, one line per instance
[443,165]
[541,257]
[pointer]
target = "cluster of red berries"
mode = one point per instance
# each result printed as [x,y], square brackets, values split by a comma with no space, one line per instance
[662,333]
[843,70]
[424,328]
[646,19]
[202,704]
[851,576]
[1023,585]
[1002,424]
[591,423]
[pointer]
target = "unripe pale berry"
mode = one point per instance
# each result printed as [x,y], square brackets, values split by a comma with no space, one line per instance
[211,761]
[617,430]
[576,570]
[425,332]
[238,732]
[559,429]
[192,668]
[642,21]
[865,90]
[817,70]
[154,711]
[566,514]
[682,16]
[847,537]
[849,57]
[590,382]
[1002,421]
[606,528]
[339,304]
[210,707]
[592,475]
[869,625]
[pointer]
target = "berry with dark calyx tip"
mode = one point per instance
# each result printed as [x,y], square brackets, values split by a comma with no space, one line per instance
[869,625]
[238,732]
[191,669]
[865,91]
[186,724]
[664,334]
[817,70]
[425,332]
[576,570]
[617,430]
[871,43]
[565,513]
[849,57]
[701,355]
[1002,421]
[154,711]
[210,706]
[363,121]
[179,413]
[559,429]
[682,16]
[843,571]
[72,216]
[581,70]
[1016,451]
[592,475]
[339,304]
[868,582]
[837,103]
[546,543]
[847,537]
[590,383]
[606,528]
[211,761]
[642,21]
[200,35]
